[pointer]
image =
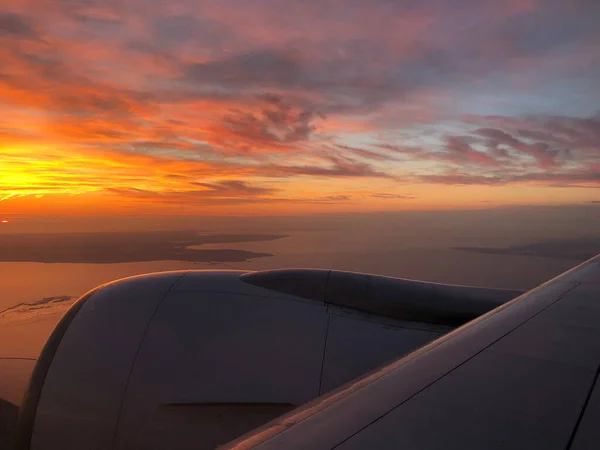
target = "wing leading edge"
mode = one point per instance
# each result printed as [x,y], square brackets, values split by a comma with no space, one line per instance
[522,376]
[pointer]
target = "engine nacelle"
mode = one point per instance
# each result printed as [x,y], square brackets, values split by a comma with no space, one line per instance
[192,360]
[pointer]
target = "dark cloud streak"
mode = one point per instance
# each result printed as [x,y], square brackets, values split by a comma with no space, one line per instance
[14,25]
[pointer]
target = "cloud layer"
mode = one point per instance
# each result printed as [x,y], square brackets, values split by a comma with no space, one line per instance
[339,101]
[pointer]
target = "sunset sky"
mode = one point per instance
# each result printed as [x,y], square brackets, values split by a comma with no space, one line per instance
[280,107]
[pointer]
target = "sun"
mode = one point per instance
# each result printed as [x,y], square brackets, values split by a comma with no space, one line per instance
[4,221]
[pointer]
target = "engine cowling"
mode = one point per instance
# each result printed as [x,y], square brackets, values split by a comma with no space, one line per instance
[184,360]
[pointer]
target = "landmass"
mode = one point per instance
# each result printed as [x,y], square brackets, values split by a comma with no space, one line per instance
[121,247]
[578,249]
[47,305]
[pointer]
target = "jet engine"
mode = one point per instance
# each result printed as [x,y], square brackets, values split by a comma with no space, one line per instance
[192,360]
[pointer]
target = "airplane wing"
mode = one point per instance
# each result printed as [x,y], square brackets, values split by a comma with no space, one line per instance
[521,376]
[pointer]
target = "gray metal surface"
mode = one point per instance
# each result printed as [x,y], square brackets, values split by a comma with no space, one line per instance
[413,300]
[385,296]
[85,384]
[222,357]
[588,431]
[357,345]
[524,391]
[215,364]
[518,377]
[584,313]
